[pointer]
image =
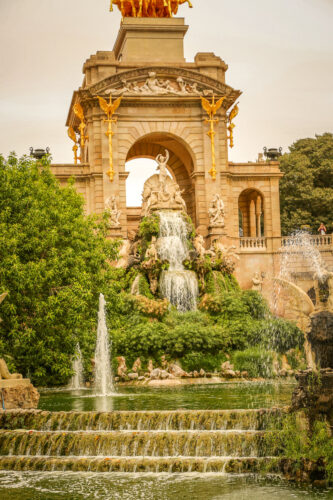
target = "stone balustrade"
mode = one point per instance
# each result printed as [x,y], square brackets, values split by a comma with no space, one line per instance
[248,244]
[321,241]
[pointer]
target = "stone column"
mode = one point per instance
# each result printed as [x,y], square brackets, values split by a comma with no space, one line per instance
[258,216]
[253,222]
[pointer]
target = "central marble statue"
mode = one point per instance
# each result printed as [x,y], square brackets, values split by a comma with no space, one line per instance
[160,192]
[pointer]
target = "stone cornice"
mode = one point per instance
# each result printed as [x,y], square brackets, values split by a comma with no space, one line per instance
[246,175]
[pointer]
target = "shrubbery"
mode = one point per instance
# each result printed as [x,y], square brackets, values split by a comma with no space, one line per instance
[54,263]
[255,361]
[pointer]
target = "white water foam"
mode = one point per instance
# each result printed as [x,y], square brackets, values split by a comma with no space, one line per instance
[177,284]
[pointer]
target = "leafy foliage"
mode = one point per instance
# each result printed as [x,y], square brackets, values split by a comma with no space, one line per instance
[257,362]
[307,186]
[295,441]
[53,264]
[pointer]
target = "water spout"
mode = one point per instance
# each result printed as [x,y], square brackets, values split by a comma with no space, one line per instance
[103,372]
[76,382]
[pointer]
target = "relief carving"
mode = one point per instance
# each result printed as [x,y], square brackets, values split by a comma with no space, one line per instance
[155,86]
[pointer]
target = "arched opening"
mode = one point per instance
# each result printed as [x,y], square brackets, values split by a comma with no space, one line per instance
[251,214]
[139,170]
[140,163]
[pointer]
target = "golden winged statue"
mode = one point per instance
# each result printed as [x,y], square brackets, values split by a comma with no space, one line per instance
[109,108]
[232,115]
[148,8]
[72,134]
[213,108]
[78,110]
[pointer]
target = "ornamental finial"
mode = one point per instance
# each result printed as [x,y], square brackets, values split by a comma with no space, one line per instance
[148,8]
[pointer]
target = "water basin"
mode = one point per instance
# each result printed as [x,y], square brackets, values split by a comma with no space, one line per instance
[78,486]
[245,395]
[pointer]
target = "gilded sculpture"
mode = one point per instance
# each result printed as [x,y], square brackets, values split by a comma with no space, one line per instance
[148,8]
[233,113]
[72,135]
[109,109]
[211,109]
[78,111]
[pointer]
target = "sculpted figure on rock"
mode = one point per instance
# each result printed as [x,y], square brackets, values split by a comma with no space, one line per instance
[216,212]
[160,191]
[112,208]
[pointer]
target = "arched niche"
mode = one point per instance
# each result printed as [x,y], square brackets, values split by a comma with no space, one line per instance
[180,164]
[251,213]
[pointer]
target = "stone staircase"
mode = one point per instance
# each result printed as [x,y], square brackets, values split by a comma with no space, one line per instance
[230,441]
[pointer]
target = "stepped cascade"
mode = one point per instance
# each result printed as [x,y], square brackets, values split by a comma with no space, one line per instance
[171,441]
[177,284]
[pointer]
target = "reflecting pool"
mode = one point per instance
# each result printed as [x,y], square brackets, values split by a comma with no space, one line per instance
[192,397]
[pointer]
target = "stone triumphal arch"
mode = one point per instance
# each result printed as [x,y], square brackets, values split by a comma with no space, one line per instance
[142,99]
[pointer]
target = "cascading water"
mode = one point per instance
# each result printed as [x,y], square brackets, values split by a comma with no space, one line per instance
[103,372]
[301,250]
[77,379]
[177,284]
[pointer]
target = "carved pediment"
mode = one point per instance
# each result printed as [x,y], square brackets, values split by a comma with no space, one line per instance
[162,82]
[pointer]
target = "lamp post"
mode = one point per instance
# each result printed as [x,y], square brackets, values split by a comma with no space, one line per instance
[272,154]
[38,154]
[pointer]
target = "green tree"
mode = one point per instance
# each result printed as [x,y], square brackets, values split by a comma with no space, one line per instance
[307,186]
[53,263]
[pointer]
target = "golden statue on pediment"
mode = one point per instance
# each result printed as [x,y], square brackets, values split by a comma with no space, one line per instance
[148,8]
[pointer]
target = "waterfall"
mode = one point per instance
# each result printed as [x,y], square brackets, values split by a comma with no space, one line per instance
[179,286]
[77,379]
[103,372]
[153,441]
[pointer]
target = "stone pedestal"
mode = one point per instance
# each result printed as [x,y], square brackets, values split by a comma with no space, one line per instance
[18,393]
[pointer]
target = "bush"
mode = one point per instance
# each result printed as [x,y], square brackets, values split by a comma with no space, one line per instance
[257,362]
[175,335]
[195,361]
[53,263]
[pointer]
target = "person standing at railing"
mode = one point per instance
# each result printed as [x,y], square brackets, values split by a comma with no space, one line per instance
[322,229]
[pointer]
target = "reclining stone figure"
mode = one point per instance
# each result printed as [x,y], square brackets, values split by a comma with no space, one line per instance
[4,372]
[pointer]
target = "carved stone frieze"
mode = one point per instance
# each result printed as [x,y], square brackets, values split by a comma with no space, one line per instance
[168,81]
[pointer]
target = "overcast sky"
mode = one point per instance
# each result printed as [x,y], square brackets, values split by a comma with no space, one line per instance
[279,52]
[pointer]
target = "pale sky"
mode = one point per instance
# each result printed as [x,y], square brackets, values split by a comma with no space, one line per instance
[279,52]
